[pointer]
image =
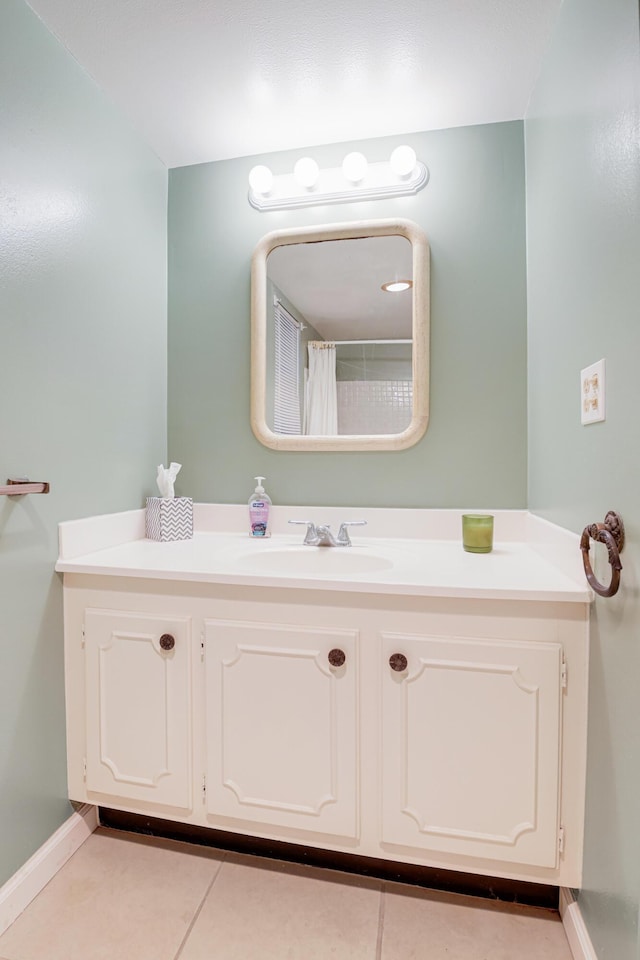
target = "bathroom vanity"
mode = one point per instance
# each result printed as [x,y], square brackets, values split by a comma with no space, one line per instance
[398,699]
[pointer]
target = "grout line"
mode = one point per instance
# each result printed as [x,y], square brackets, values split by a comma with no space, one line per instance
[380,923]
[199,910]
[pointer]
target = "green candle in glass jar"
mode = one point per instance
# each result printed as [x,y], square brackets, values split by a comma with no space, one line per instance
[477,532]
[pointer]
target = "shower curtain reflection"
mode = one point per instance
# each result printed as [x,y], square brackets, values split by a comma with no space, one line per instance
[321,405]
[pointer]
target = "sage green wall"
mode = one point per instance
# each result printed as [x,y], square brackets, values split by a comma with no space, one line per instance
[474,452]
[583,236]
[82,375]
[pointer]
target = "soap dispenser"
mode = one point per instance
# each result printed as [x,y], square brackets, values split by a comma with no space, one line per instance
[259,511]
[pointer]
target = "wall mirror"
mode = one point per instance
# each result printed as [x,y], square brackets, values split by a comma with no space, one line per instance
[340,337]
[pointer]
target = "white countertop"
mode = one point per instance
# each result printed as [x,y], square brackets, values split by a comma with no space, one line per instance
[515,570]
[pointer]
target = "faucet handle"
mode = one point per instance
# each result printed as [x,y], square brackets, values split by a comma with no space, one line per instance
[343,534]
[312,534]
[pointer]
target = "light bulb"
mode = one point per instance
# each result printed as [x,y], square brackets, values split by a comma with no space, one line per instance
[396,286]
[403,161]
[354,167]
[306,172]
[261,180]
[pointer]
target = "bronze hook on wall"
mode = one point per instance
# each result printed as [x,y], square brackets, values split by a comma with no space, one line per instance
[611,533]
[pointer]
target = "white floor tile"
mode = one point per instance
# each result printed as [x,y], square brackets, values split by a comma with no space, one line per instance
[274,911]
[429,925]
[122,897]
[118,898]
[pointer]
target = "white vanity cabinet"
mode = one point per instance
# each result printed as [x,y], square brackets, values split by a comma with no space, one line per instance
[276,713]
[471,739]
[280,717]
[137,709]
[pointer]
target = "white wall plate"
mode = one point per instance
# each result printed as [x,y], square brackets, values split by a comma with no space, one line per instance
[592,394]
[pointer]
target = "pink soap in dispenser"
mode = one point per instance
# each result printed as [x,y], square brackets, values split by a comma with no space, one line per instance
[259,512]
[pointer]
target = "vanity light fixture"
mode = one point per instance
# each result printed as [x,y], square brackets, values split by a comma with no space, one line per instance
[261,180]
[306,172]
[354,167]
[356,179]
[397,286]
[403,161]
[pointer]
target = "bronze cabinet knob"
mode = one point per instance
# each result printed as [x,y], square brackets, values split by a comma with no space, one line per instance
[398,662]
[167,642]
[337,657]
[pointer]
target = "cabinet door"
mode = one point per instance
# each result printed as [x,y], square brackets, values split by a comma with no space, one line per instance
[281,726]
[137,707]
[471,747]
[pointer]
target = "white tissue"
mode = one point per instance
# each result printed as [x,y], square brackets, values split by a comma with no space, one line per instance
[166,477]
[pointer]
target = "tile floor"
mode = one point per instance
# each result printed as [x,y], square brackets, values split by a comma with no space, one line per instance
[123,897]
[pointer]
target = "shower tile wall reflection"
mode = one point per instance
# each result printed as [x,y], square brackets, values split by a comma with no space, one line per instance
[374,406]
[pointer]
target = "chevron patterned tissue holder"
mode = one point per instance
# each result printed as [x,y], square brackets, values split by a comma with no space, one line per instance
[169,518]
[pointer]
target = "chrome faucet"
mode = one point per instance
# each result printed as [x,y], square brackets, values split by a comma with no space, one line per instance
[320,535]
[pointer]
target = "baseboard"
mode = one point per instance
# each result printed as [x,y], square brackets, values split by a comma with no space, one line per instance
[575,927]
[18,892]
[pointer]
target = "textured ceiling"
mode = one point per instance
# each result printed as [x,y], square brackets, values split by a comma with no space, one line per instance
[211,79]
[336,285]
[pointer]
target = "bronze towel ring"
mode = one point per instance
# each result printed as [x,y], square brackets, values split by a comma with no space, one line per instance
[611,533]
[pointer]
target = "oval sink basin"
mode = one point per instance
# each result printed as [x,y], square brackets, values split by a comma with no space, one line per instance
[332,562]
